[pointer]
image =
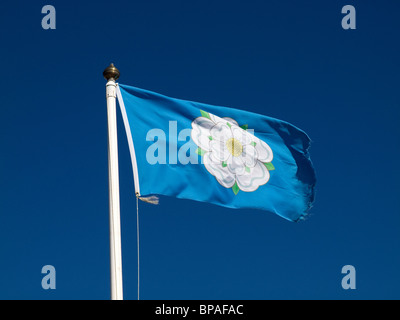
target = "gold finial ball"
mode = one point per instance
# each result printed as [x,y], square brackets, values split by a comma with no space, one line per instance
[111,72]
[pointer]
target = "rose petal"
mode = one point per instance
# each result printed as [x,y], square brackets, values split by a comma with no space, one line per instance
[249,156]
[219,151]
[236,165]
[201,127]
[241,135]
[264,151]
[221,132]
[222,174]
[250,181]
[232,121]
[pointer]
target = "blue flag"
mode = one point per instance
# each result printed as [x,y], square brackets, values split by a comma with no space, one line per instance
[219,155]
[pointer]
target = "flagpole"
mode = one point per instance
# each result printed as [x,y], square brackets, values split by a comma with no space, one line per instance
[111,74]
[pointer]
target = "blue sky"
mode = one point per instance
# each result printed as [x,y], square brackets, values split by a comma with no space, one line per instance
[289,59]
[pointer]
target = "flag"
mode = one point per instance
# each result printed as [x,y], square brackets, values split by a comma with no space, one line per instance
[224,156]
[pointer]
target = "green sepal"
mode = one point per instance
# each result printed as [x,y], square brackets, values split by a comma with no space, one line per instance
[224,164]
[200,151]
[269,166]
[235,189]
[205,114]
[245,126]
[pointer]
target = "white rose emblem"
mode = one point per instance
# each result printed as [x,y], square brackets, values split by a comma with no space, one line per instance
[236,158]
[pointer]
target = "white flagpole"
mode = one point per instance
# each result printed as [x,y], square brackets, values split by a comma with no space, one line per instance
[111,74]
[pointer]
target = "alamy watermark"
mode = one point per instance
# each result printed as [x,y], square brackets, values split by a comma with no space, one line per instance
[225,141]
[49,280]
[49,20]
[349,280]
[349,20]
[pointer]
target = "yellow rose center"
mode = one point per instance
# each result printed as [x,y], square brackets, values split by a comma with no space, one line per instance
[234,147]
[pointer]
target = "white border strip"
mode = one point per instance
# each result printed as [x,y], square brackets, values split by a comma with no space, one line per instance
[130,141]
